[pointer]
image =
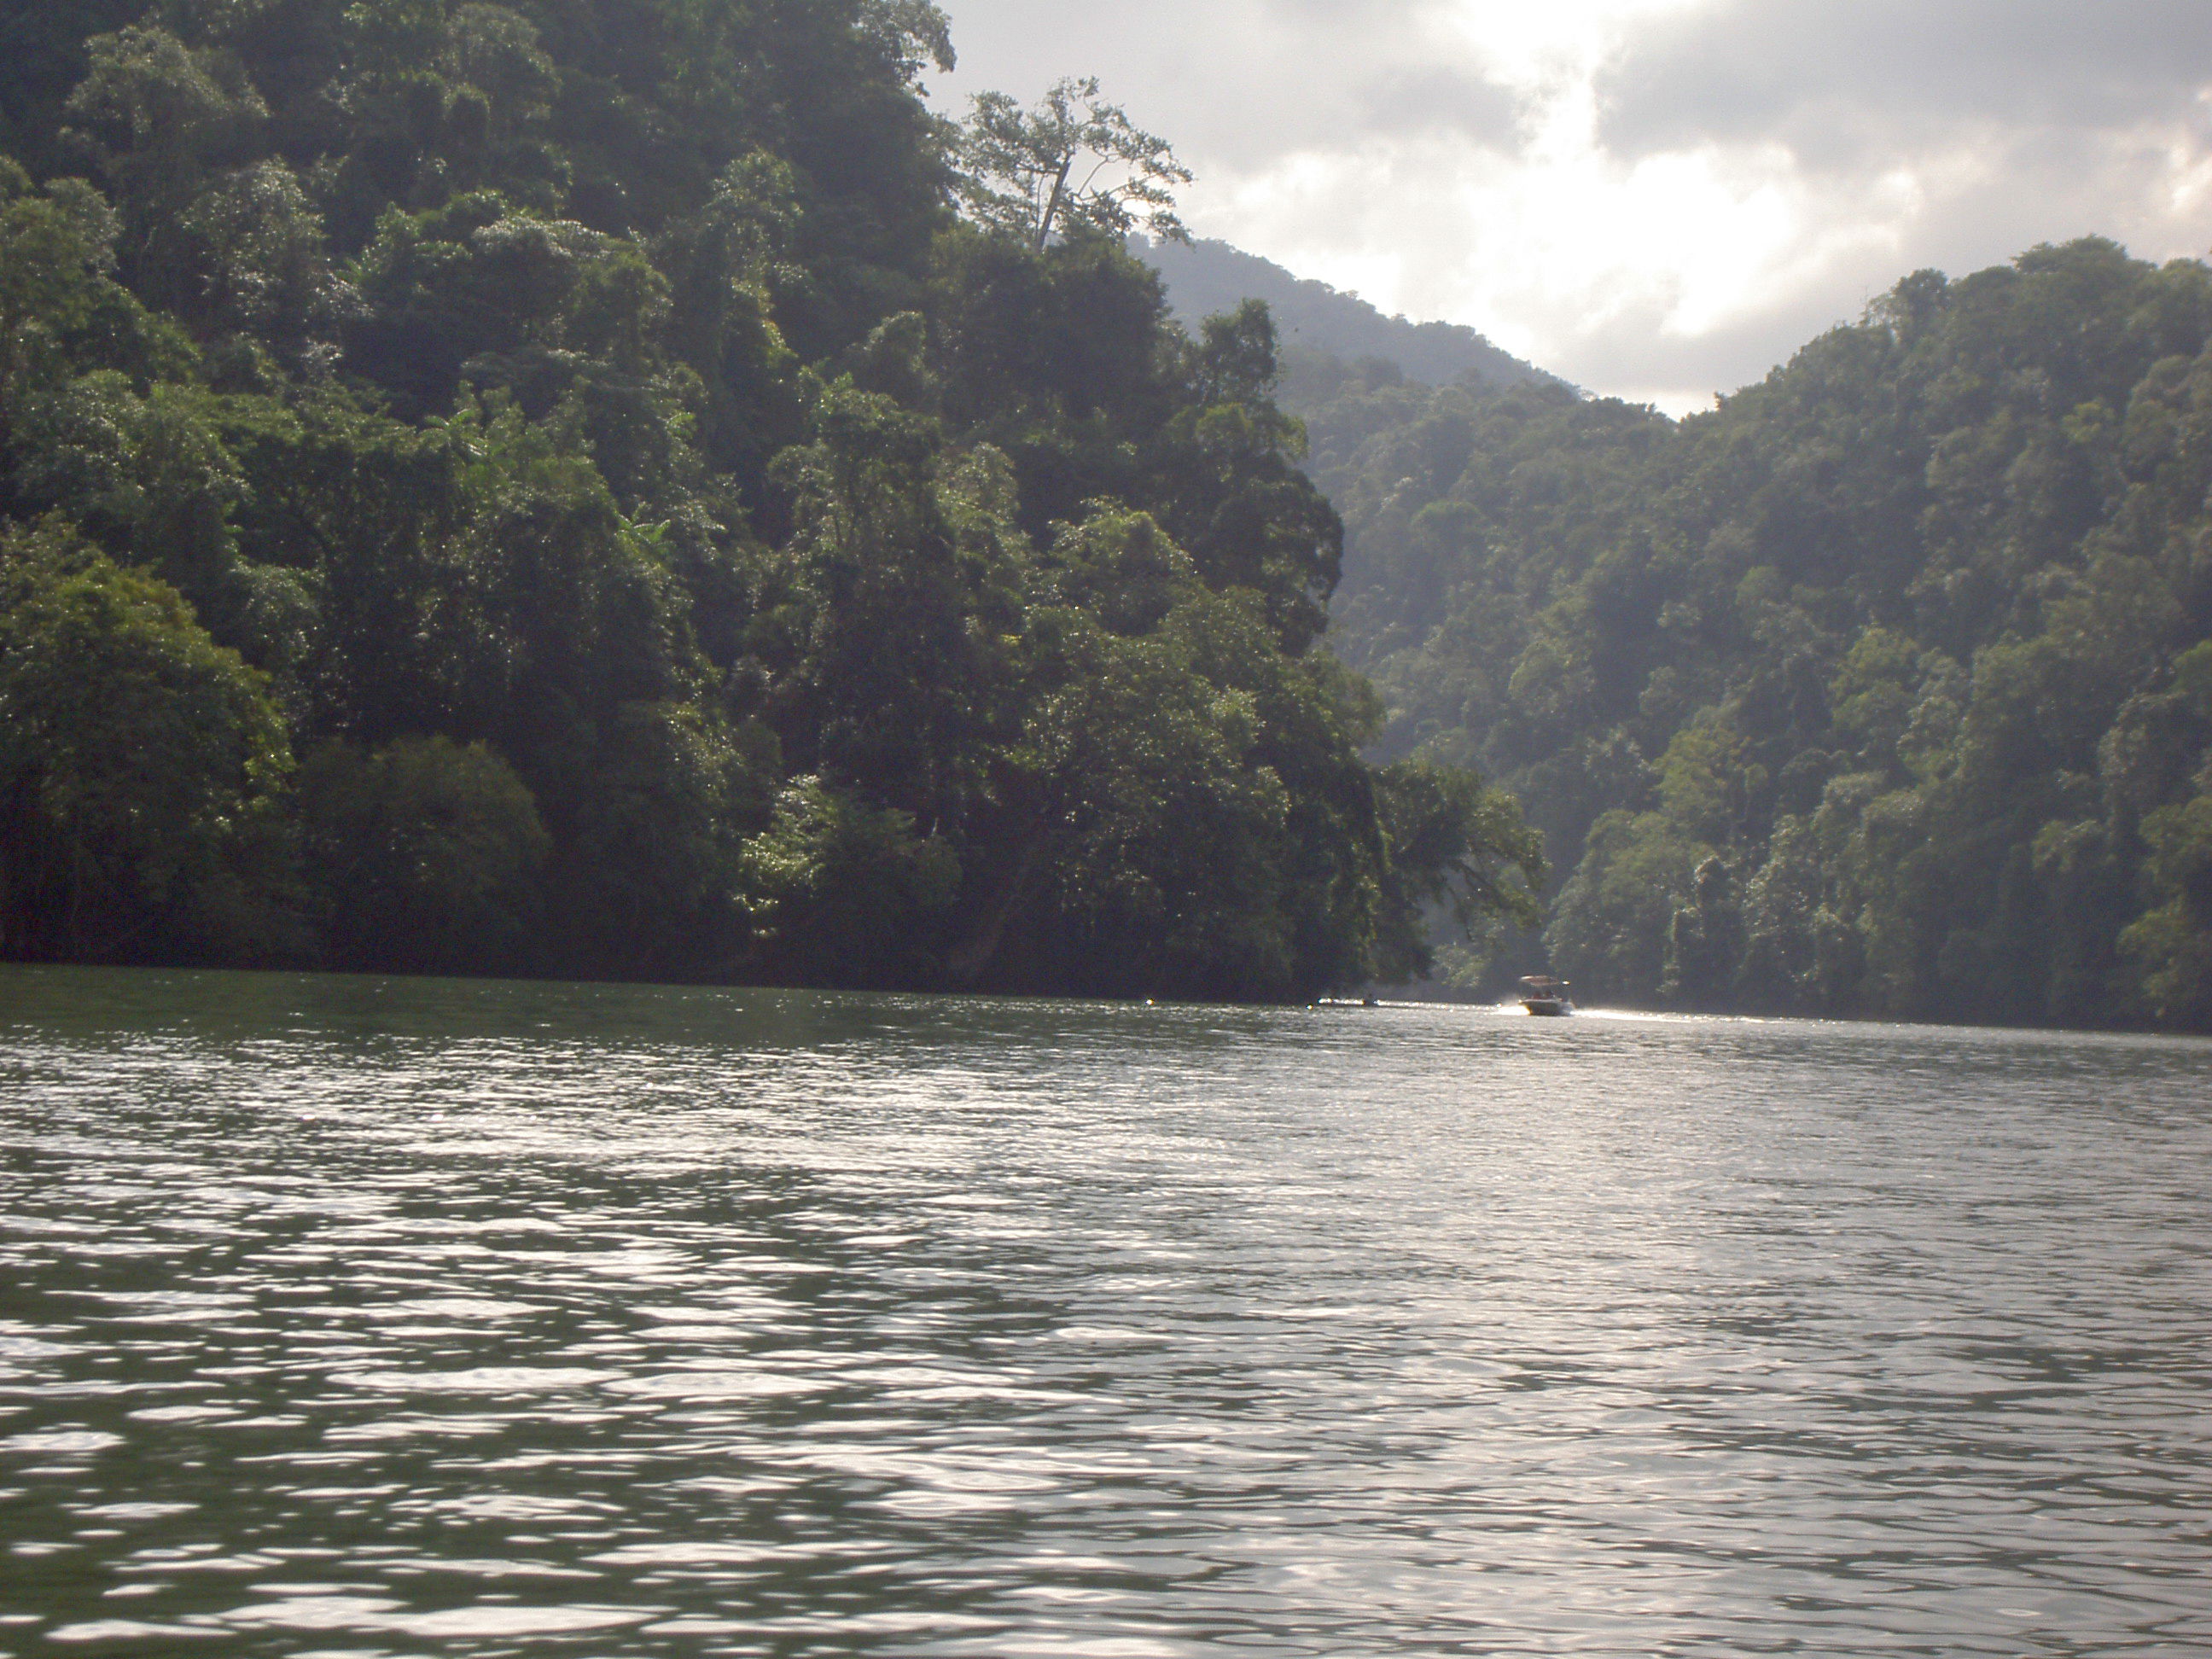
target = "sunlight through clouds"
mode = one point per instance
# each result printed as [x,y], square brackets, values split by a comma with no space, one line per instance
[1655,198]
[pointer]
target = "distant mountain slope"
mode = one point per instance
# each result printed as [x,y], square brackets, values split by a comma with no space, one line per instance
[1205,277]
[1882,688]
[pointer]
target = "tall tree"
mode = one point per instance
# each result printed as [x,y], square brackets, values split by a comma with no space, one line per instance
[1070,162]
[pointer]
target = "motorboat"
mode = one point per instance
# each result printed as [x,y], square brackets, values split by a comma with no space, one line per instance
[1542,995]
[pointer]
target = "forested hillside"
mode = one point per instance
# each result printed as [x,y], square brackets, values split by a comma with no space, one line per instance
[1322,329]
[1885,688]
[561,487]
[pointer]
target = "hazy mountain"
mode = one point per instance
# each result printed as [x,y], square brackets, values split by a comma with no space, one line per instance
[1883,689]
[1206,277]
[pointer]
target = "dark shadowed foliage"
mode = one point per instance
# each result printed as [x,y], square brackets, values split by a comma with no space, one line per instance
[673,540]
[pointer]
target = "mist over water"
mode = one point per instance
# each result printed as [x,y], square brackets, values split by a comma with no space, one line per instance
[364,1317]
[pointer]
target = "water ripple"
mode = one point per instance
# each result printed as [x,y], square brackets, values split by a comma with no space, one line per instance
[383,1319]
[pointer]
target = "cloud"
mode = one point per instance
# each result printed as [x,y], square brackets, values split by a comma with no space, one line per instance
[1444,98]
[1658,199]
[1241,83]
[1842,84]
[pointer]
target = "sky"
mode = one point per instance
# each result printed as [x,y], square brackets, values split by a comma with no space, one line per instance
[1657,199]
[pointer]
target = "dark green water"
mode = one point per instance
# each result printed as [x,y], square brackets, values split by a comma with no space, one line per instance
[376,1318]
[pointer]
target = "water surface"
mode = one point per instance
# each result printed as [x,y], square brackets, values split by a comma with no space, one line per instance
[391,1320]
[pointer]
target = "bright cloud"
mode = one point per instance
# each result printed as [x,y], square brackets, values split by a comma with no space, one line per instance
[1656,198]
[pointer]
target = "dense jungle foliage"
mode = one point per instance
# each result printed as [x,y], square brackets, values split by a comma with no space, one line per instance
[1885,688]
[594,487]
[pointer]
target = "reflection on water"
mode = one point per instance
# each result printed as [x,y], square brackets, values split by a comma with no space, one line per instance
[378,1319]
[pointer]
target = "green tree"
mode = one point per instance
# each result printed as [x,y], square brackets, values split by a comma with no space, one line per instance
[1072,163]
[1907,625]
[427,855]
[142,767]
[2172,942]
[681,544]
[1610,928]
[846,893]
[1454,848]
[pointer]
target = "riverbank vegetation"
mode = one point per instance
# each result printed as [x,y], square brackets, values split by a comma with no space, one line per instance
[616,488]
[1884,687]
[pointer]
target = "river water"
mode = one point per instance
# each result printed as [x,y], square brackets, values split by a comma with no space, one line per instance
[366,1317]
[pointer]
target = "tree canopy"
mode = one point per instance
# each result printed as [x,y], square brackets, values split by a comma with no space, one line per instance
[1883,688]
[1071,161]
[618,487]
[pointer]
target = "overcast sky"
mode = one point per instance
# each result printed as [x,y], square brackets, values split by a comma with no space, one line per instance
[1657,199]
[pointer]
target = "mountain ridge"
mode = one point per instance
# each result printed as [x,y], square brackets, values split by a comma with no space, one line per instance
[1207,277]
